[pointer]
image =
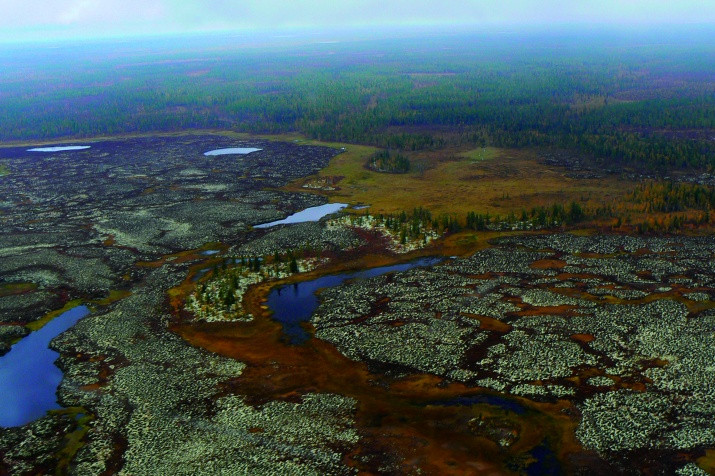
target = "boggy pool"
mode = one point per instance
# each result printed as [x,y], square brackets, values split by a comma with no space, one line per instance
[293,304]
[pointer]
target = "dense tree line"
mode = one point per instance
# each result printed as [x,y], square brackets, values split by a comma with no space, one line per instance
[626,106]
[538,217]
[671,197]
[391,162]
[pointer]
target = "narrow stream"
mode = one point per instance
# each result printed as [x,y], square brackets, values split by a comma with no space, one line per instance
[28,375]
[293,304]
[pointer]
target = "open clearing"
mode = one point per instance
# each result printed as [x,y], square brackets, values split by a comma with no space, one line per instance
[495,181]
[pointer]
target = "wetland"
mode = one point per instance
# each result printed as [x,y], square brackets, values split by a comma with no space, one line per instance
[404,252]
[335,338]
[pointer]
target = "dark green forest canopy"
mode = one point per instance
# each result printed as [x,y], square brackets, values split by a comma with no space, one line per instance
[628,99]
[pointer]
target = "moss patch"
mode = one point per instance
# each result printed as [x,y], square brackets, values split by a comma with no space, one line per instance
[40,323]
[74,440]
[10,289]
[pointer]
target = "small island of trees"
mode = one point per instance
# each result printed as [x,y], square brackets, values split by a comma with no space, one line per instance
[390,162]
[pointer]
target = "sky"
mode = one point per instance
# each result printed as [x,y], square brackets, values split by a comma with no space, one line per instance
[37,20]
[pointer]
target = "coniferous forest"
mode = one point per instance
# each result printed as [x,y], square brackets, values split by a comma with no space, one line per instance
[624,104]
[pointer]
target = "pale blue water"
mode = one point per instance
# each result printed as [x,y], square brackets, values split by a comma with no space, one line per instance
[309,214]
[61,148]
[293,304]
[232,151]
[28,375]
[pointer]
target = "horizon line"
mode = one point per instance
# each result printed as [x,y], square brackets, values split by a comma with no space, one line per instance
[381,28]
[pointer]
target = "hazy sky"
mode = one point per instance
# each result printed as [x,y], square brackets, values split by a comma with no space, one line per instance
[46,19]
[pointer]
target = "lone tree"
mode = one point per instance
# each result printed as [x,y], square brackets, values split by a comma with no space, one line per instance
[293,266]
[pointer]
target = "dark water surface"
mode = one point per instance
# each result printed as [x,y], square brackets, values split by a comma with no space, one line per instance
[293,304]
[489,399]
[546,462]
[28,375]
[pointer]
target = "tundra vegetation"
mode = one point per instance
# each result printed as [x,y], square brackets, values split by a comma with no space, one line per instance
[570,194]
[619,326]
[606,307]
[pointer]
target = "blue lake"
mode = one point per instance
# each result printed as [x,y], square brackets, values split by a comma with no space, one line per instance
[293,304]
[309,214]
[28,375]
[232,151]
[60,148]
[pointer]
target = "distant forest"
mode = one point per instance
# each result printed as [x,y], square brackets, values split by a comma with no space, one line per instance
[614,99]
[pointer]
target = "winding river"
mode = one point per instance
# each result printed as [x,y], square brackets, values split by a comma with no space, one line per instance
[293,304]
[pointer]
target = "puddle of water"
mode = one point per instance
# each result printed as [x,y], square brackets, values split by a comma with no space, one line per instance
[309,214]
[28,375]
[493,400]
[293,304]
[210,252]
[232,151]
[59,148]
[546,462]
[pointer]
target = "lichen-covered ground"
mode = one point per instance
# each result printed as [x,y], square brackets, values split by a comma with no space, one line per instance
[120,216]
[622,327]
[75,223]
[540,353]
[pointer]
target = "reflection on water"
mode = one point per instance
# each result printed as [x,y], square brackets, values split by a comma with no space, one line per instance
[293,304]
[309,214]
[59,148]
[28,375]
[232,151]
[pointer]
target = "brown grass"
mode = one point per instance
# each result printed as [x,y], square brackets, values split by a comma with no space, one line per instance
[494,181]
[489,323]
[390,417]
